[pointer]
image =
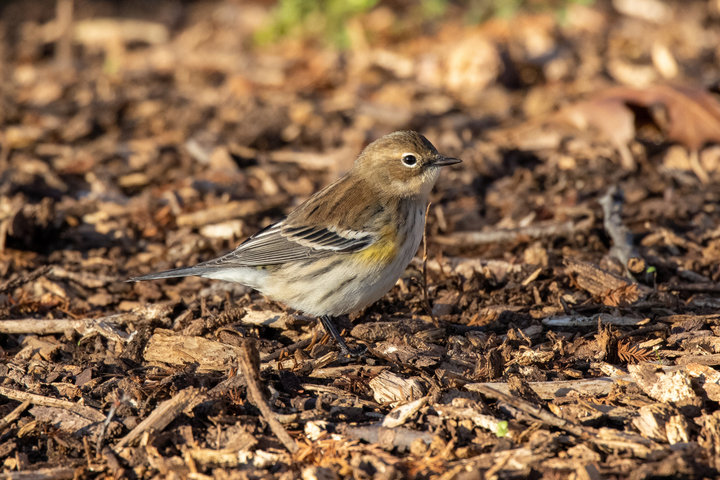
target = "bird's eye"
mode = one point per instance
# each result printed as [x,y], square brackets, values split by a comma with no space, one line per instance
[409,160]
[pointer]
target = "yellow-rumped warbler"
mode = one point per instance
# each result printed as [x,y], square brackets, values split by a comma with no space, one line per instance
[346,246]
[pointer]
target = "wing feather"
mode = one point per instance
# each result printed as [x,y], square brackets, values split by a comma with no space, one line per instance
[279,244]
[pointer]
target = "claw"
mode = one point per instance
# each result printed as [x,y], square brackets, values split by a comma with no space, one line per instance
[330,328]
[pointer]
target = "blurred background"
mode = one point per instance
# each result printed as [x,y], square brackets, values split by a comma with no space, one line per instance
[101,100]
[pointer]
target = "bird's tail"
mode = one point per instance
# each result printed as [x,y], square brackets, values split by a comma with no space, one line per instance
[174,273]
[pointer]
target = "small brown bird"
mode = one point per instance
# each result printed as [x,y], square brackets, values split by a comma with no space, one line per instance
[346,246]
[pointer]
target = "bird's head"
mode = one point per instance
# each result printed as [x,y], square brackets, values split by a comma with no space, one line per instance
[402,164]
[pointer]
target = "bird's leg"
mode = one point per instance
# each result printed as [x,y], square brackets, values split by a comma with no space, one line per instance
[330,328]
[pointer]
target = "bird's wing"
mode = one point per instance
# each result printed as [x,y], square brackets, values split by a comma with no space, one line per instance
[281,243]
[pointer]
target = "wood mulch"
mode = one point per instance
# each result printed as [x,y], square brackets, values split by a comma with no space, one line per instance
[563,323]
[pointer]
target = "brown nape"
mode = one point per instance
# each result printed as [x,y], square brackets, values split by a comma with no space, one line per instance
[349,193]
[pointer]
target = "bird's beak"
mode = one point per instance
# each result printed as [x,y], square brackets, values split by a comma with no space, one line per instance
[441,161]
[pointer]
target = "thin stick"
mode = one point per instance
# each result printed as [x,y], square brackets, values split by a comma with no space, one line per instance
[623,248]
[64,20]
[161,417]
[111,414]
[13,283]
[12,416]
[248,361]
[529,408]
[82,410]
[103,325]
[506,235]
[603,437]
[300,344]
[58,473]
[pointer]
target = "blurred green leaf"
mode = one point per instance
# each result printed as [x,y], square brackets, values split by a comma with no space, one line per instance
[327,20]
[502,429]
[323,18]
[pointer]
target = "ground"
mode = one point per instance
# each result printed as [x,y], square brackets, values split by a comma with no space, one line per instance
[563,320]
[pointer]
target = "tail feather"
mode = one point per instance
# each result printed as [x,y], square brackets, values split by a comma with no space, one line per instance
[174,273]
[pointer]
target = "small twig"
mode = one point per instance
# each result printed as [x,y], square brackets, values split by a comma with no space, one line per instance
[581,321]
[24,278]
[64,20]
[59,473]
[426,295]
[340,393]
[82,410]
[111,414]
[83,326]
[161,416]
[603,437]
[12,416]
[300,344]
[589,386]
[623,248]
[389,438]
[248,361]
[531,409]
[694,287]
[105,326]
[506,235]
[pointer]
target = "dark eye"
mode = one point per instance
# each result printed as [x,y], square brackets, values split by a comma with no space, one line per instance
[409,160]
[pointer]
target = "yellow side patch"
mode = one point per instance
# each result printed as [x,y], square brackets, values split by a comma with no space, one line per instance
[383,251]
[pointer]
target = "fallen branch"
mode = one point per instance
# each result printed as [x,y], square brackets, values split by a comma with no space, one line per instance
[248,362]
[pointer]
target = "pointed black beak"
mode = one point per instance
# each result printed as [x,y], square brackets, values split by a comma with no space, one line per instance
[441,161]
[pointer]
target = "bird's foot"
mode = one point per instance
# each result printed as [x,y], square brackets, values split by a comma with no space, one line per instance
[345,351]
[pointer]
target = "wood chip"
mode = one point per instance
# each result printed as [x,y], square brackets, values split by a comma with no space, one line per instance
[390,388]
[162,415]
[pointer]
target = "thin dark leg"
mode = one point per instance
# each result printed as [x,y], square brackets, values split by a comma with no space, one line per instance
[330,328]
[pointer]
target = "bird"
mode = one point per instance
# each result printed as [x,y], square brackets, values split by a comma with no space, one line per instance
[345,247]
